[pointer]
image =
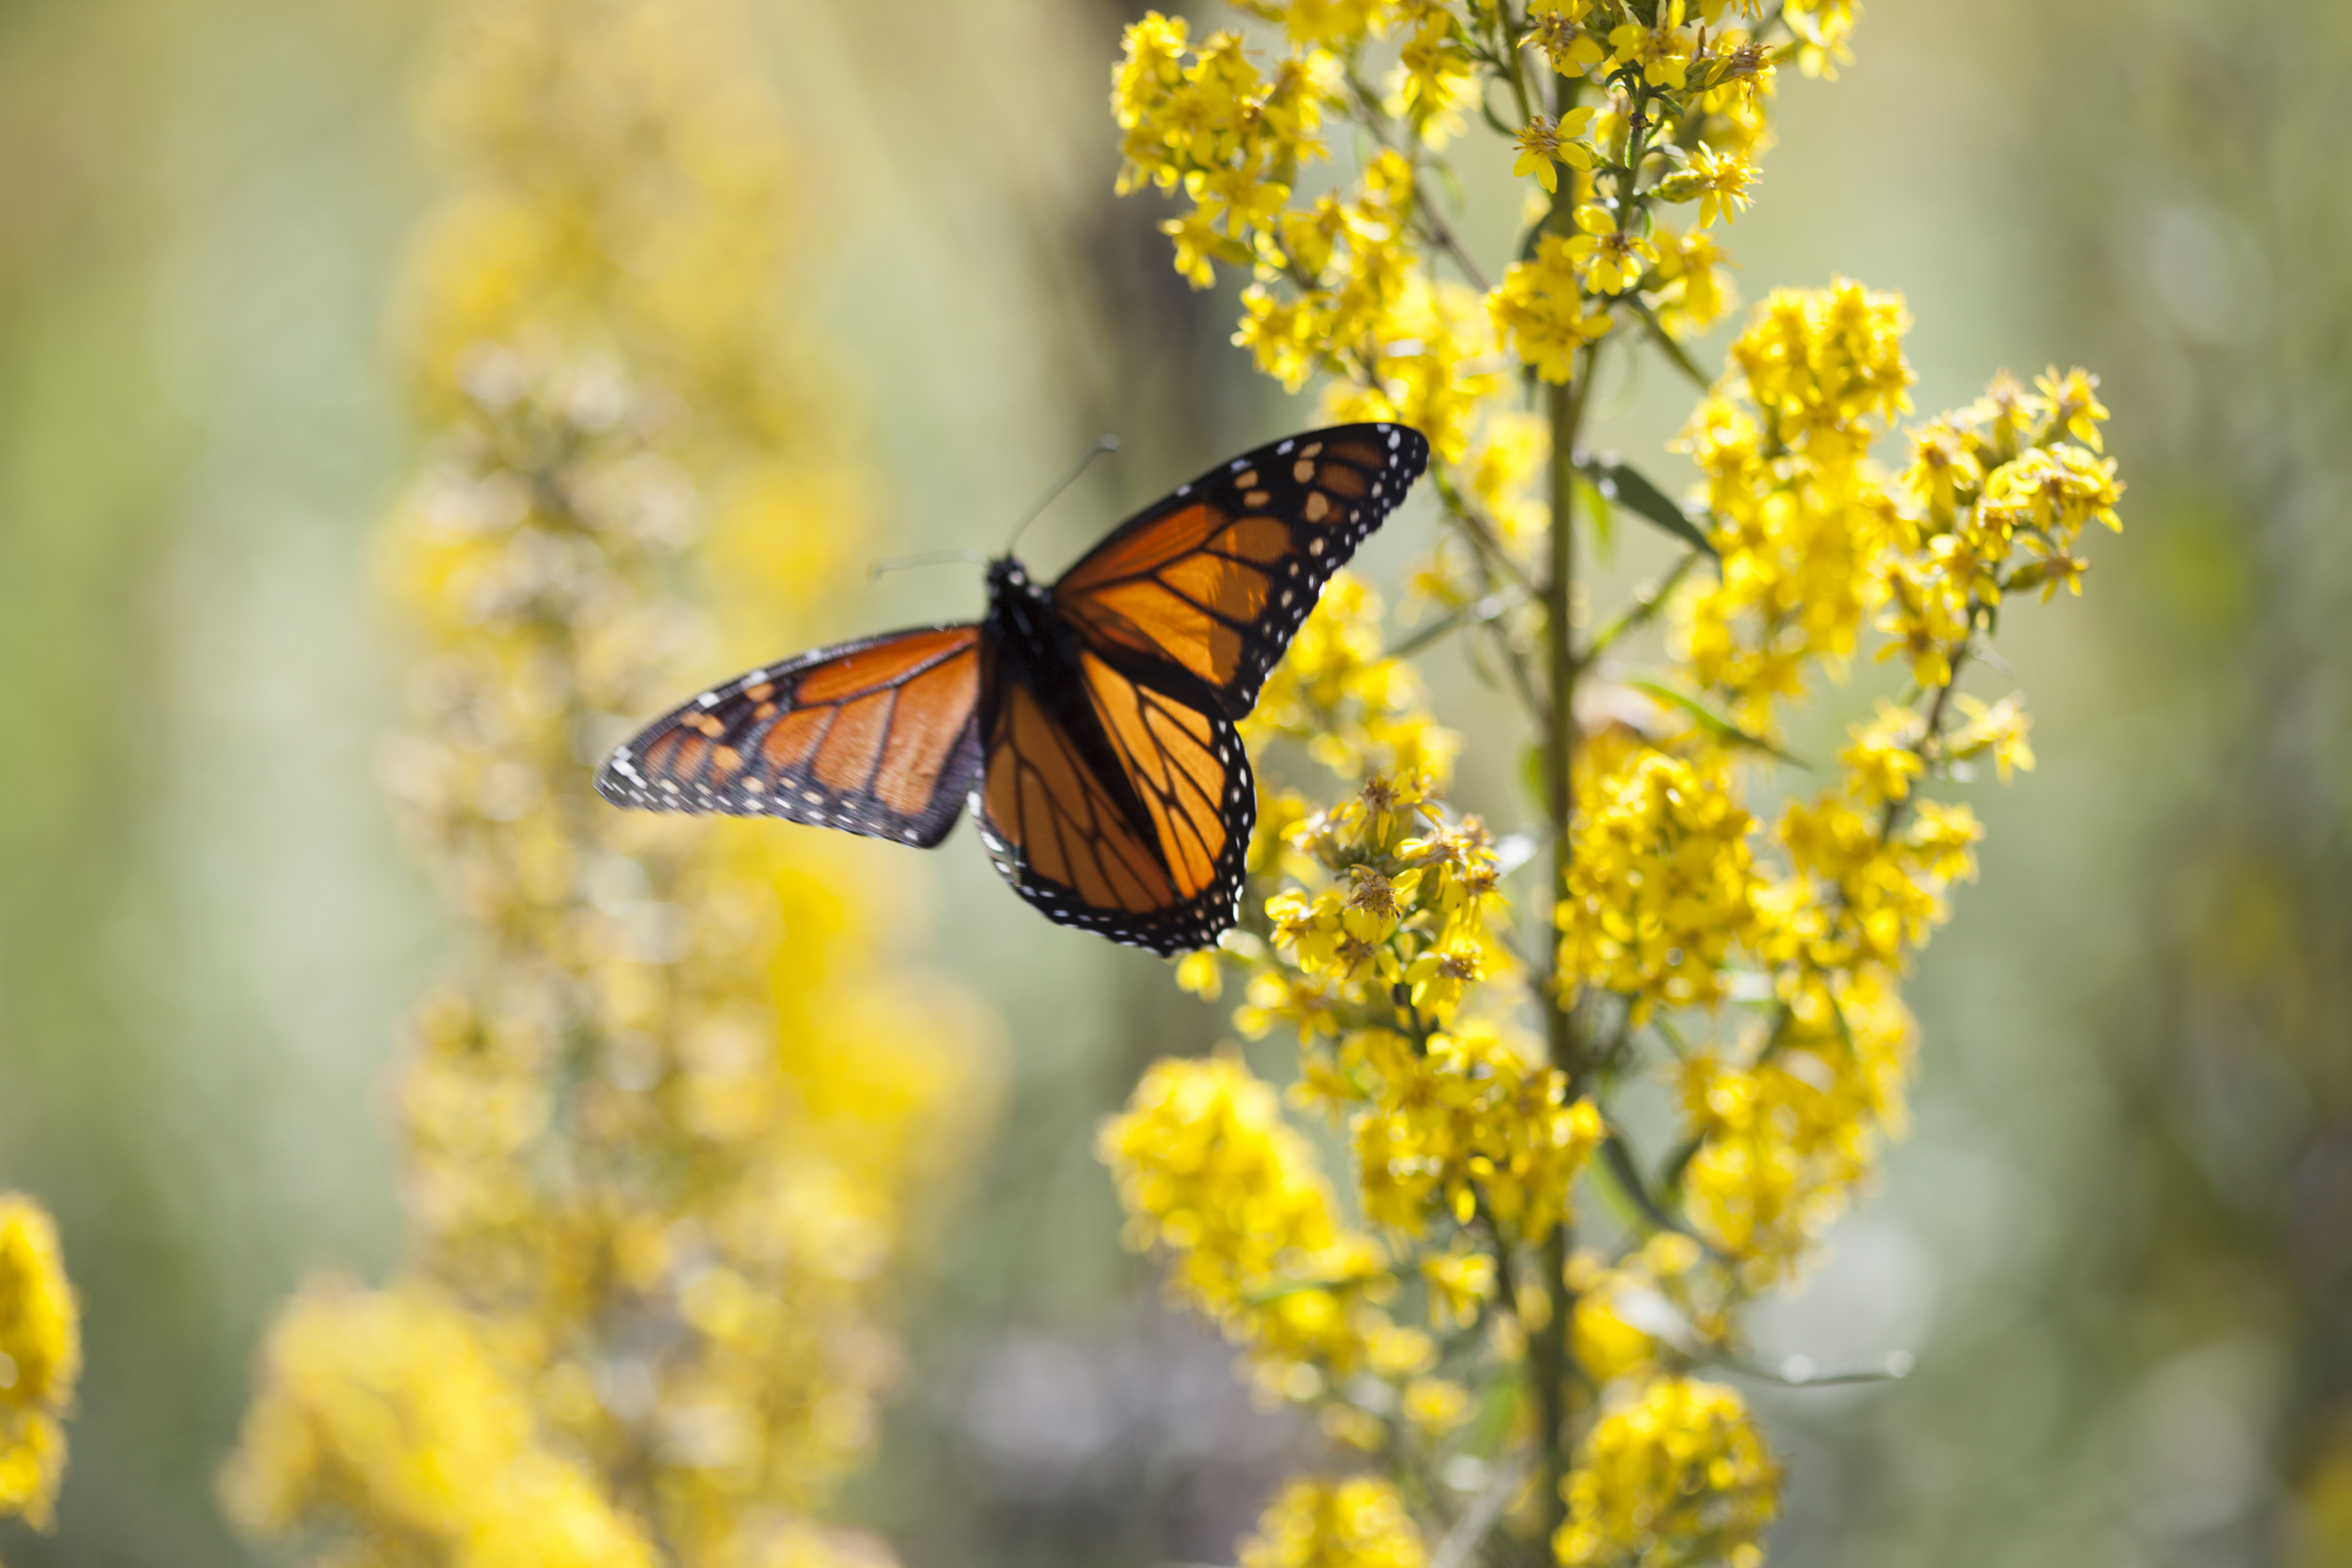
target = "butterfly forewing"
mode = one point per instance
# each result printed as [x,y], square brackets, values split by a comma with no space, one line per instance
[878,737]
[1215,579]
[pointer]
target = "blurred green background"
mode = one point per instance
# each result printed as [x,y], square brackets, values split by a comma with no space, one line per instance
[2119,1239]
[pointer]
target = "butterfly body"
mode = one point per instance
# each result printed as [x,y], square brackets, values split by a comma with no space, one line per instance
[1026,647]
[1088,723]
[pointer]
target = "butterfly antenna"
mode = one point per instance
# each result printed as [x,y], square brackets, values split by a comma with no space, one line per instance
[929,558]
[1103,444]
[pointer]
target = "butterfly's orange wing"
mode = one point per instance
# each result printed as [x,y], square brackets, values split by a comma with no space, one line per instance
[1129,817]
[1214,580]
[1126,807]
[879,737]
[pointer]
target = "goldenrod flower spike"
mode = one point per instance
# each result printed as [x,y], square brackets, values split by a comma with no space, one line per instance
[661,1133]
[1465,1030]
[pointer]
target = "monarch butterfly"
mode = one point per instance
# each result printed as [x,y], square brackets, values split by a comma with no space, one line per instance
[1088,723]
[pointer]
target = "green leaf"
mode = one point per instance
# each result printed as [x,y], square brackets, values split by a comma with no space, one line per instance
[1595,502]
[1629,487]
[1714,724]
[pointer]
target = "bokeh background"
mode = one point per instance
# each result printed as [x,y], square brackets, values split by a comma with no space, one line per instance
[2119,1241]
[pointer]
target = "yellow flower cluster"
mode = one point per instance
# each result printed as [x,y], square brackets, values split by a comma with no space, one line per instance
[1470,1123]
[1783,1139]
[1662,884]
[1814,540]
[659,1156]
[41,1361]
[395,1404]
[1208,1168]
[1380,949]
[1756,962]
[1357,1523]
[1679,1476]
[1801,523]
[1816,544]
[1210,122]
[1407,912]
[1542,311]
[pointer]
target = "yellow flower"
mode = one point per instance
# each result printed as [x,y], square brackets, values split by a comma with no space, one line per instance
[2057,567]
[1943,838]
[1459,1285]
[1695,293]
[1608,260]
[1545,141]
[2008,415]
[2059,489]
[1679,1476]
[1316,1523]
[1821,27]
[1540,310]
[1197,240]
[396,1405]
[40,1359]
[1438,976]
[1437,1405]
[1998,727]
[1436,78]
[1661,885]
[1554,27]
[1725,180]
[1943,470]
[1198,972]
[1663,52]
[1885,756]
[1606,1346]
[2073,400]
[1207,1168]
[1331,22]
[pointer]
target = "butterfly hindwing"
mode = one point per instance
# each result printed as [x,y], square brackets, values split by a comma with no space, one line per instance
[878,737]
[1129,815]
[1216,578]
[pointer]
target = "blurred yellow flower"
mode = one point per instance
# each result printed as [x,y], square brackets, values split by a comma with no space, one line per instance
[651,1144]
[1677,1476]
[395,1405]
[41,1361]
[1357,1523]
[1607,259]
[1208,1169]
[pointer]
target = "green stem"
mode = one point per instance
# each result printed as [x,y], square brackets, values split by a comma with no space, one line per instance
[1930,735]
[1549,1351]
